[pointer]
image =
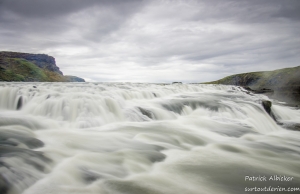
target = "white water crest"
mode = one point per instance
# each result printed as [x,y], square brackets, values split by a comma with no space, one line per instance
[125,138]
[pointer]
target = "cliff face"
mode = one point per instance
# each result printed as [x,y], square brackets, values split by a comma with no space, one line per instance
[41,60]
[16,66]
[282,84]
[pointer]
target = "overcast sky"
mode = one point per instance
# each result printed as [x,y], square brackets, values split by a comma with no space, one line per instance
[155,40]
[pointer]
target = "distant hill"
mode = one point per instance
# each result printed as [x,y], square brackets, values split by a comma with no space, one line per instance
[281,84]
[25,67]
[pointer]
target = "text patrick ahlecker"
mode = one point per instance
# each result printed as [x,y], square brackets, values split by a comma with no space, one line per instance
[274,178]
[270,178]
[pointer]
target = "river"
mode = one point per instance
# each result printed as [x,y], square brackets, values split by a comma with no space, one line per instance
[130,138]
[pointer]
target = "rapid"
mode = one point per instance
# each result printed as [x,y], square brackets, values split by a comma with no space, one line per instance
[131,138]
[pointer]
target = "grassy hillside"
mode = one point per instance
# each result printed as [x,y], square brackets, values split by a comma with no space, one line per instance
[23,70]
[268,79]
[19,69]
[284,83]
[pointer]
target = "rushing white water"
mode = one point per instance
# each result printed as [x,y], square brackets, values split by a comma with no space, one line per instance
[113,138]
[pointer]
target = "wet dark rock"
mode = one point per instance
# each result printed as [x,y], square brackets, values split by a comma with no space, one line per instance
[267,106]
[247,88]
[174,106]
[33,143]
[20,103]
[290,125]
[14,174]
[8,142]
[10,150]
[13,138]
[89,176]
[153,156]
[4,185]
[263,91]
[147,113]
[28,156]
[259,91]
[176,82]
[34,86]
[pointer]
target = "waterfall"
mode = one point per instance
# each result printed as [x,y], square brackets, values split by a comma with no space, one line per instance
[142,138]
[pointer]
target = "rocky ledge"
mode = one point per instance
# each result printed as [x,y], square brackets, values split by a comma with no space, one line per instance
[15,66]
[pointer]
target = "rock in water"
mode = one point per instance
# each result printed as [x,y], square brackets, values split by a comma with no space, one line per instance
[267,106]
[4,185]
[20,103]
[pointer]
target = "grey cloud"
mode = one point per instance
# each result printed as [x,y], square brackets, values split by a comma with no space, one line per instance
[155,41]
[54,21]
[290,11]
[55,8]
[250,11]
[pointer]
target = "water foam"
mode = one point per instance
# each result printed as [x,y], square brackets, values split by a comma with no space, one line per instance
[141,138]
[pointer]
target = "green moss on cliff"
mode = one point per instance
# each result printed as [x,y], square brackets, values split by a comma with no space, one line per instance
[239,79]
[15,66]
[71,78]
[54,77]
[8,74]
[23,70]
